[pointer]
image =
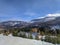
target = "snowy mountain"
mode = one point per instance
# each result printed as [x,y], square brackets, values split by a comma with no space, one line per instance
[45,19]
[13,24]
[52,21]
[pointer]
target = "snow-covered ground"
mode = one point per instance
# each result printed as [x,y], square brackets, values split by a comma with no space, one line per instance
[10,40]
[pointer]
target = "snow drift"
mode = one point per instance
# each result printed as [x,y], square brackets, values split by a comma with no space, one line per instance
[10,40]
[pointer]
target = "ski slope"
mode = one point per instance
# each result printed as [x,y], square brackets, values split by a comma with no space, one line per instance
[10,40]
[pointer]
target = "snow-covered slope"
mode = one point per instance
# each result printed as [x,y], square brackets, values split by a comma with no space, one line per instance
[10,40]
[45,19]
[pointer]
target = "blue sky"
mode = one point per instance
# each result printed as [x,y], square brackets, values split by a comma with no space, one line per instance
[27,9]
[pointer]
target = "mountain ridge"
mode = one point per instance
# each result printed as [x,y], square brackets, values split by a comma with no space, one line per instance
[47,21]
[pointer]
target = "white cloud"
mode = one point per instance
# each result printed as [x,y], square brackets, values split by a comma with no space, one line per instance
[13,19]
[55,15]
[51,15]
[30,13]
[40,17]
